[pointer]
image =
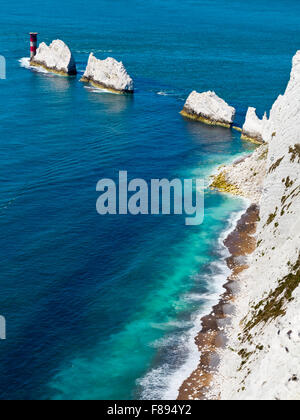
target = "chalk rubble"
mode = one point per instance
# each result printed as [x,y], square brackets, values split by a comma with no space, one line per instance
[253,127]
[209,108]
[108,74]
[56,58]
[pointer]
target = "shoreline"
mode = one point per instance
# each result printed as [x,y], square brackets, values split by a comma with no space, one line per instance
[241,243]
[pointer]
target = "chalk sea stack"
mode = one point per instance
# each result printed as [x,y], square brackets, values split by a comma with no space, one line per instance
[108,74]
[56,58]
[253,127]
[208,108]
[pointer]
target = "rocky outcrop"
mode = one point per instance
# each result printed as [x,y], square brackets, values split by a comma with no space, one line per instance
[261,360]
[244,177]
[208,108]
[253,127]
[56,58]
[108,74]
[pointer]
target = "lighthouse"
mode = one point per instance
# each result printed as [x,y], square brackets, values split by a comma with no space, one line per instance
[33,44]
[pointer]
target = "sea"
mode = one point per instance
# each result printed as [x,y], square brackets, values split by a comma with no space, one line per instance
[107,307]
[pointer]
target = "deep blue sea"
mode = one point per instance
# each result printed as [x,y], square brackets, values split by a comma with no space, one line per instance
[107,307]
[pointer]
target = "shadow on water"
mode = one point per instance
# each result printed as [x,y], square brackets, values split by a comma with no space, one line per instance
[59,83]
[203,133]
[109,102]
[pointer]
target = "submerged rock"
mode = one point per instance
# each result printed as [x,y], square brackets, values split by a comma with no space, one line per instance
[253,127]
[56,58]
[108,74]
[208,108]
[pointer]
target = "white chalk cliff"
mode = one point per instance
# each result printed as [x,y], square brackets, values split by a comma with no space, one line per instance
[253,127]
[208,108]
[261,360]
[108,74]
[56,58]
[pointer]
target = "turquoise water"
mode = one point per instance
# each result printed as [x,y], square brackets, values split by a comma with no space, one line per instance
[106,308]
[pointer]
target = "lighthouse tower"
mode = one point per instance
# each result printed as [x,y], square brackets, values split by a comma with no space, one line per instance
[33,44]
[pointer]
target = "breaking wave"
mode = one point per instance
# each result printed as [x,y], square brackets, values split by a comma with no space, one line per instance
[25,62]
[180,355]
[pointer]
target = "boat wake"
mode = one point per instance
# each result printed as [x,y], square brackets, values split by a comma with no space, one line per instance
[163,93]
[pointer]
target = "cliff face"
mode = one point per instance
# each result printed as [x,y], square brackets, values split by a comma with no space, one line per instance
[108,74]
[262,358]
[56,58]
[208,108]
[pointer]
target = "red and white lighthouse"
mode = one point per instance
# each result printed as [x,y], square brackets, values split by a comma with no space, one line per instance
[33,44]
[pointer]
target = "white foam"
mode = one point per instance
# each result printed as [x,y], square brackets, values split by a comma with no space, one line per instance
[164,382]
[235,217]
[25,62]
